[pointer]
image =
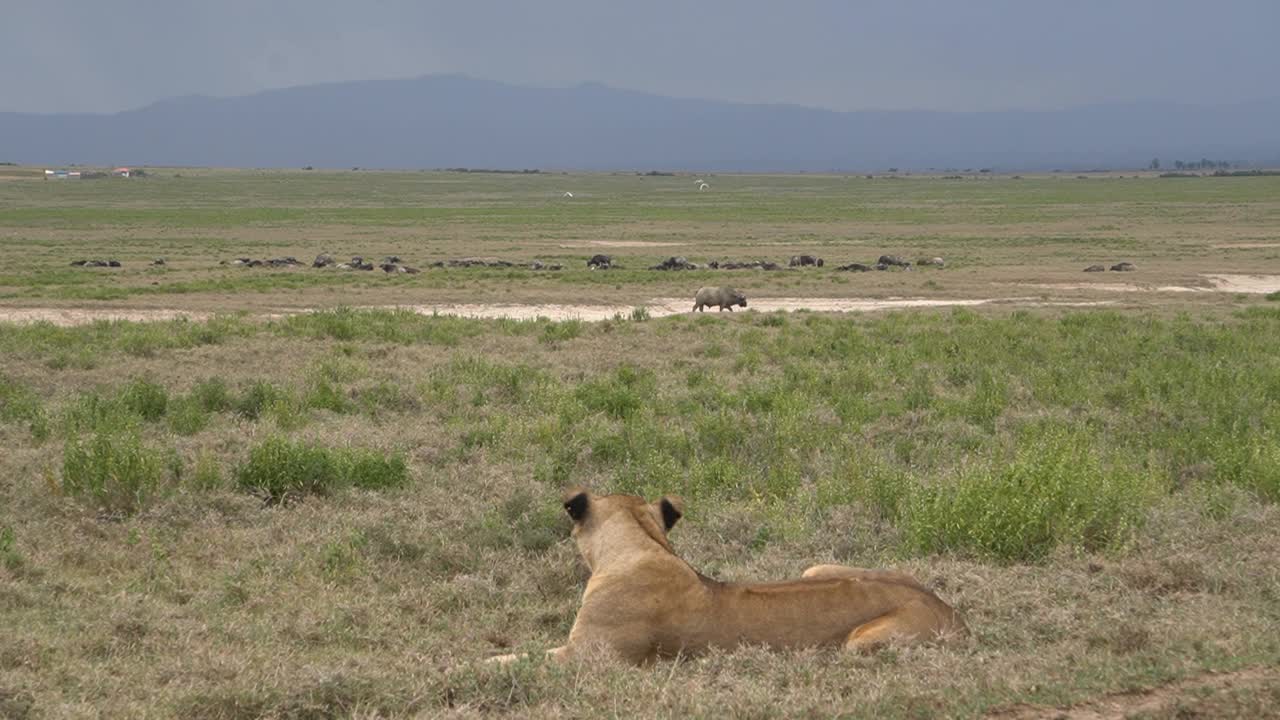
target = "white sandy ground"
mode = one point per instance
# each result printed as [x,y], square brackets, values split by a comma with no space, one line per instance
[1219,282]
[620,244]
[658,307]
[661,307]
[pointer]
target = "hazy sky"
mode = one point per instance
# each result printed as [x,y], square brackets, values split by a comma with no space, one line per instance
[109,55]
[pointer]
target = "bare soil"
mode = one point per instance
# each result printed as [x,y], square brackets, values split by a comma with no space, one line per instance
[1197,696]
[658,307]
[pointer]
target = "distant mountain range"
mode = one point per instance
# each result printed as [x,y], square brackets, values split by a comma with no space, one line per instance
[454,121]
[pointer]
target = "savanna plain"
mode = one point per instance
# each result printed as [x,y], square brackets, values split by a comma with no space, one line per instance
[297,492]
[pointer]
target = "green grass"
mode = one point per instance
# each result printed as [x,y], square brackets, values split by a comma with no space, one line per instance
[113,472]
[83,346]
[19,403]
[392,326]
[1094,490]
[281,470]
[1054,492]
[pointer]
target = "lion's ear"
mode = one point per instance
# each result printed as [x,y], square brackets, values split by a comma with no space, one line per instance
[672,509]
[575,503]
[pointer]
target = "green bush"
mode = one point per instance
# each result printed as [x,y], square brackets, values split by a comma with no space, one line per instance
[257,399]
[554,332]
[1249,460]
[396,326]
[145,399]
[212,395]
[208,473]
[187,416]
[1056,491]
[282,470]
[621,395]
[19,404]
[91,412]
[9,556]
[324,395]
[372,470]
[112,471]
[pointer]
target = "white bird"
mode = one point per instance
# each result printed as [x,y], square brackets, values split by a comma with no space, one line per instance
[698,181]
[703,186]
[568,194]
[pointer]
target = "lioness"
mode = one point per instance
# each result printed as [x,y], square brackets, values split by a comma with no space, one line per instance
[644,602]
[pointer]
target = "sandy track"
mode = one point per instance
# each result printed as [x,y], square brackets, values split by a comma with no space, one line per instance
[661,307]
[657,307]
[1219,282]
[620,244]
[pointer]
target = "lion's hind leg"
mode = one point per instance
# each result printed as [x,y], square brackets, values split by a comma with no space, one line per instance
[853,573]
[913,622]
[835,571]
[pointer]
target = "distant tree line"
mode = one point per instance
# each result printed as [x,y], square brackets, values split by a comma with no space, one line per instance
[534,171]
[1201,164]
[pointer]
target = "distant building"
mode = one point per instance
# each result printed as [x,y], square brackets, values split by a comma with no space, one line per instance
[121,172]
[62,174]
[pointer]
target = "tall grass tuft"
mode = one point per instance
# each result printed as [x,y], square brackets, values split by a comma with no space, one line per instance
[19,404]
[145,399]
[212,395]
[1055,491]
[282,470]
[113,471]
[186,416]
[257,399]
[398,326]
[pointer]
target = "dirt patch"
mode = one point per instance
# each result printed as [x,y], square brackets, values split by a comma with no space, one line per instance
[1118,287]
[657,307]
[1218,282]
[1246,246]
[67,317]
[662,307]
[1253,284]
[1151,701]
[620,244]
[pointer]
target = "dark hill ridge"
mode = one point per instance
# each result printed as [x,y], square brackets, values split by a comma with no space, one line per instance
[454,121]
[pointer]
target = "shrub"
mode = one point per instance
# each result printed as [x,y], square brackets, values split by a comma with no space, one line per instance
[371,470]
[324,395]
[620,395]
[92,412]
[554,332]
[208,473]
[145,399]
[256,399]
[396,326]
[9,556]
[1055,491]
[282,470]
[212,395]
[19,403]
[113,471]
[187,416]
[1249,460]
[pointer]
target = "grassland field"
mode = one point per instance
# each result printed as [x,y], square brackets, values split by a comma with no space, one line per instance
[311,502]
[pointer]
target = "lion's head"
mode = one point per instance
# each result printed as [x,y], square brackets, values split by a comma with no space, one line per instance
[600,520]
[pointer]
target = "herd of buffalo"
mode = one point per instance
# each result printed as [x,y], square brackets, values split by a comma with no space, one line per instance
[394,265]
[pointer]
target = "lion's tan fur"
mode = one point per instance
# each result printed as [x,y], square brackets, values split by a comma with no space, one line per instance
[644,602]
